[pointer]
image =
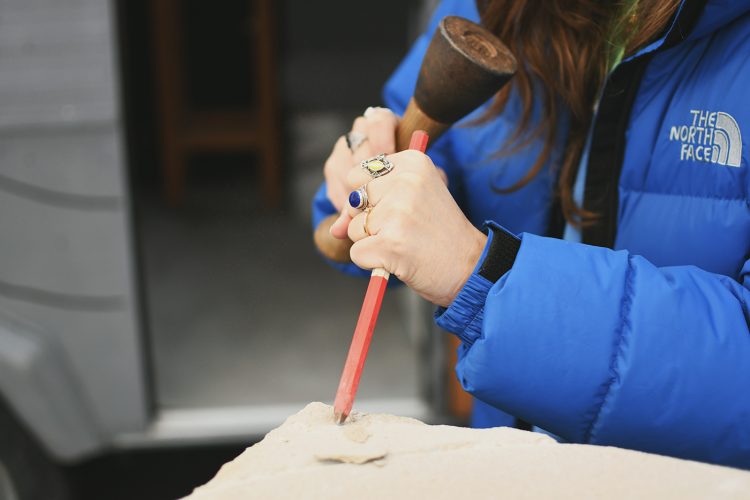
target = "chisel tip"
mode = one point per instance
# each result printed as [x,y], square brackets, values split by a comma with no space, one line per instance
[339,417]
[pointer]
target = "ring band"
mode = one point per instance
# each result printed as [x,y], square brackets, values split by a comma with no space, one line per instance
[377,165]
[354,140]
[358,198]
[364,224]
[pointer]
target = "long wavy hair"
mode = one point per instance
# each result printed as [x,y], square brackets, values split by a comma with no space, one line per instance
[566,49]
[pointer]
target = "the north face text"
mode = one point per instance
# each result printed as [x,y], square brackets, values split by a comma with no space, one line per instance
[712,137]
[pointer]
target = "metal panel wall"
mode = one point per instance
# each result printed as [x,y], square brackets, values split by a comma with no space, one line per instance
[66,259]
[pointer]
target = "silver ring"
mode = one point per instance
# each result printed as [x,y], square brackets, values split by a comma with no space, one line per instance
[358,198]
[355,139]
[377,165]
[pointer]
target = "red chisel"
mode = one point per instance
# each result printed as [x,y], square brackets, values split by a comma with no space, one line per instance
[368,316]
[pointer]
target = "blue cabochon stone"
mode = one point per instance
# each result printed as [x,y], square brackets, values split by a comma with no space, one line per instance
[355,199]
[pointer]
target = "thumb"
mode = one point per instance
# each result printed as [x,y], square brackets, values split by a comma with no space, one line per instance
[340,228]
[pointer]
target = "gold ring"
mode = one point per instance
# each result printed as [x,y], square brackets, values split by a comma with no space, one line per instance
[364,224]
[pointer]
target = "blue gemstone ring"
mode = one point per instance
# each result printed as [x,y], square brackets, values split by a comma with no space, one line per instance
[358,198]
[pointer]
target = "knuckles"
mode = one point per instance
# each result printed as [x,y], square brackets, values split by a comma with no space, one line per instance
[411,181]
[402,205]
[354,178]
[359,123]
[396,233]
[414,161]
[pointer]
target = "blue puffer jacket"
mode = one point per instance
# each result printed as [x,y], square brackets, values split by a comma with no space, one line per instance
[640,338]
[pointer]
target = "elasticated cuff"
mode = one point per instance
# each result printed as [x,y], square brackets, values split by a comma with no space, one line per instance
[464,317]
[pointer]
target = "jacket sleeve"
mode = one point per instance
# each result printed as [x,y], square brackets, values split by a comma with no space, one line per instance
[396,94]
[602,347]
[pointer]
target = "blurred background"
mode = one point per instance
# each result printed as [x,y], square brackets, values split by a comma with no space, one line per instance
[162,305]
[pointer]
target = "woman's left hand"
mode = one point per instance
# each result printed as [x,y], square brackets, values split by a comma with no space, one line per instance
[416,230]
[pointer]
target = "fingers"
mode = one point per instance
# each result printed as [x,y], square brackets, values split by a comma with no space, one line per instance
[382,123]
[374,189]
[360,125]
[335,169]
[340,148]
[351,221]
[379,127]
[405,164]
[365,253]
[402,162]
[356,230]
[340,227]
[364,225]
[358,176]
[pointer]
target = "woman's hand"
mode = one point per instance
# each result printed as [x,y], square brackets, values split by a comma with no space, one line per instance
[379,129]
[414,228]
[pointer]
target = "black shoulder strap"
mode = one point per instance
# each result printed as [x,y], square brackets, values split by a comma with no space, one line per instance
[608,137]
[608,150]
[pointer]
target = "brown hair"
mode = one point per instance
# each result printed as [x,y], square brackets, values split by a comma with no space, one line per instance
[565,50]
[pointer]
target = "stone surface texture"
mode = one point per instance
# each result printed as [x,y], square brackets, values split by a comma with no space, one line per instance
[384,456]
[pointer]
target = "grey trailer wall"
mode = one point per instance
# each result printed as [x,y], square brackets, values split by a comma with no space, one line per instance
[66,259]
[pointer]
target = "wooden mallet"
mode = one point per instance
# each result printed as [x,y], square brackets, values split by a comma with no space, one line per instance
[465,65]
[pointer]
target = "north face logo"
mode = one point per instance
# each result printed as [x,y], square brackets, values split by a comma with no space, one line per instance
[713,137]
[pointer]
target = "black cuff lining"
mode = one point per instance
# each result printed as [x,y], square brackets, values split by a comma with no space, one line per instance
[501,255]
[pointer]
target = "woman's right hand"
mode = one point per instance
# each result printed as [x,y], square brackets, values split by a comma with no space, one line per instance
[378,125]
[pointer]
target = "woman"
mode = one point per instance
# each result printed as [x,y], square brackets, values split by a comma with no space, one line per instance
[622,134]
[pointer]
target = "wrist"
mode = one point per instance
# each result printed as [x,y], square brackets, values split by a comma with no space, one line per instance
[464,316]
[469,260]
